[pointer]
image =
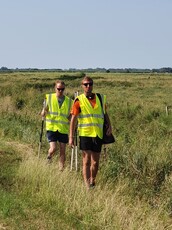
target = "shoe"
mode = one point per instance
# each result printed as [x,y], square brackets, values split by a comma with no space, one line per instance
[49,158]
[92,185]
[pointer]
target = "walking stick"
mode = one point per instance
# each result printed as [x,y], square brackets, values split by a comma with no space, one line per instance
[41,133]
[40,138]
[76,151]
[75,148]
[71,160]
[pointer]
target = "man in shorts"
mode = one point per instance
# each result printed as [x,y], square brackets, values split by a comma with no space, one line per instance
[87,110]
[57,113]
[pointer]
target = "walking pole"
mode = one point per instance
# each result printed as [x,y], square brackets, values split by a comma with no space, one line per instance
[71,162]
[76,151]
[75,147]
[76,143]
[41,133]
[40,138]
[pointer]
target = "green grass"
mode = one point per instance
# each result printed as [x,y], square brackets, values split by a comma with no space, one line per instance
[134,181]
[45,198]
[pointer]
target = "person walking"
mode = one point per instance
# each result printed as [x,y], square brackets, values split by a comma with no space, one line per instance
[87,111]
[57,115]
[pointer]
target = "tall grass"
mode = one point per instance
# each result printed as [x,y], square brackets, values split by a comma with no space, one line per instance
[133,188]
[63,195]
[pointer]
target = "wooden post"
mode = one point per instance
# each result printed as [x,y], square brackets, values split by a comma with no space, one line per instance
[167,109]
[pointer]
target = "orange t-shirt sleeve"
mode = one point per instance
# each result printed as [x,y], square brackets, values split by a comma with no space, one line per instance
[75,108]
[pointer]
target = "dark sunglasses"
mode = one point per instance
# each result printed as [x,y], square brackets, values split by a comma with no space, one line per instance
[86,84]
[60,89]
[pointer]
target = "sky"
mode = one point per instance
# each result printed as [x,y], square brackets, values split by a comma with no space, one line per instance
[81,34]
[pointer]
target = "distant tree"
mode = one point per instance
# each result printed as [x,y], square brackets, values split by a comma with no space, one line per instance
[4,68]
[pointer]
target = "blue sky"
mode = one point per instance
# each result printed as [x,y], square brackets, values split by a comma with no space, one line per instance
[86,34]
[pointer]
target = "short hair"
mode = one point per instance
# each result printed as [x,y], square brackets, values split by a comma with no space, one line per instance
[87,78]
[59,82]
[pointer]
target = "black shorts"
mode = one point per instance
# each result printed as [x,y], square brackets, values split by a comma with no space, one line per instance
[91,143]
[56,136]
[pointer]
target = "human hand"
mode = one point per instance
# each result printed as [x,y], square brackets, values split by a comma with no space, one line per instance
[71,142]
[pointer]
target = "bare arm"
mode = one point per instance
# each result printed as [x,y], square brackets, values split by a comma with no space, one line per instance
[73,122]
[44,111]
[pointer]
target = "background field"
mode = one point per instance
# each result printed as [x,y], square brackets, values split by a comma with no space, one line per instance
[134,183]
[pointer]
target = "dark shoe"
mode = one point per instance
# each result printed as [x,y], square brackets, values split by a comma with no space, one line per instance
[92,185]
[49,158]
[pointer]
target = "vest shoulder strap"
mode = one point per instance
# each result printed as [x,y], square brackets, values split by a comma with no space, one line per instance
[100,98]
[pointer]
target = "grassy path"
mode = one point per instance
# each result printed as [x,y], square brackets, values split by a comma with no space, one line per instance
[35,196]
[16,210]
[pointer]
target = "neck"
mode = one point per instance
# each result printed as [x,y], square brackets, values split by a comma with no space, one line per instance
[60,96]
[90,95]
[87,94]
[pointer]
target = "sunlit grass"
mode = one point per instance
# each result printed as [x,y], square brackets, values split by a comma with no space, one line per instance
[133,187]
[108,206]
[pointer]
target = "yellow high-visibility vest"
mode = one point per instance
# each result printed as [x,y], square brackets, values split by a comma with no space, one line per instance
[57,117]
[90,120]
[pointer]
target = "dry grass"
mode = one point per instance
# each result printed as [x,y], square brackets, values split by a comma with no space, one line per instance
[133,188]
[105,207]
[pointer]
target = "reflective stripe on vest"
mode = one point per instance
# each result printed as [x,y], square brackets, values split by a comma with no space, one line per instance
[91,115]
[58,114]
[90,124]
[60,122]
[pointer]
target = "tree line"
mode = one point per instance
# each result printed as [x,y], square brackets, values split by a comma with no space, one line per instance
[89,70]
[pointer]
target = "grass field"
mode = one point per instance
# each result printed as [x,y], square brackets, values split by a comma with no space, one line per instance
[134,183]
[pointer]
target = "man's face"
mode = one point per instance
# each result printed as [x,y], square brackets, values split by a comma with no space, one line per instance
[87,86]
[59,88]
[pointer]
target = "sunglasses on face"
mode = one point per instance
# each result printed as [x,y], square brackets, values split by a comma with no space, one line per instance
[60,89]
[88,84]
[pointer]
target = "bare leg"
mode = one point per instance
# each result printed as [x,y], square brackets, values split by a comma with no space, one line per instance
[52,149]
[94,166]
[86,166]
[62,155]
